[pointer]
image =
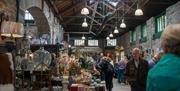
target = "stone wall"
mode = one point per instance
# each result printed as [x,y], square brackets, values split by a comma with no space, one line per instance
[173,14]
[124,41]
[55,30]
[151,46]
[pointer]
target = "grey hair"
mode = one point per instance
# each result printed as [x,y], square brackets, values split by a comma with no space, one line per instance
[137,49]
[170,39]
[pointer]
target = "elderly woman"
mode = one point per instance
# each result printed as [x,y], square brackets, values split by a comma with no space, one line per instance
[165,76]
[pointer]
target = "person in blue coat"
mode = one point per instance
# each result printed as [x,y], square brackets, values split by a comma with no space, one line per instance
[165,75]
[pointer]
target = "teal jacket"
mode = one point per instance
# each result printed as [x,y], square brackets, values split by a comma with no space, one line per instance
[165,75]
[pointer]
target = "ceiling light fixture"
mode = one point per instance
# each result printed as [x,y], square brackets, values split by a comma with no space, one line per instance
[138,11]
[83,37]
[107,38]
[116,30]
[111,35]
[123,25]
[84,24]
[84,11]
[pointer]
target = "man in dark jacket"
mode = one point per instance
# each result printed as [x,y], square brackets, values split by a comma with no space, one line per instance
[108,70]
[136,71]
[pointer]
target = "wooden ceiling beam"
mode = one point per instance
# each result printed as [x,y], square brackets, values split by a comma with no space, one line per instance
[67,21]
[72,7]
[126,17]
[95,11]
[94,20]
[60,3]
[93,15]
[109,6]
[78,24]
[78,15]
[113,13]
[77,32]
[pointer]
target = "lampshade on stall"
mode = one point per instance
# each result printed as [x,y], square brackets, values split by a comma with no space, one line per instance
[12,29]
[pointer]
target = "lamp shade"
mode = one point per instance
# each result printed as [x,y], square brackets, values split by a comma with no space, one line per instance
[123,25]
[83,37]
[12,29]
[84,24]
[84,11]
[116,30]
[138,12]
[107,38]
[110,35]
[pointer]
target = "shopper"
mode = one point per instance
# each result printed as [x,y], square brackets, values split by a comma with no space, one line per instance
[136,71]
[98,67]
[108,70]
[154,60]
[121,67]
[165,76]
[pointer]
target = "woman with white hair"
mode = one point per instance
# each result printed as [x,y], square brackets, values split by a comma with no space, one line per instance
[165,76]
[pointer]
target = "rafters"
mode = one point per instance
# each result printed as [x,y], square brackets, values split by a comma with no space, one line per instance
[103,15]
[72,7]
[93,15]
[113,13]
[109,6]
[95,11]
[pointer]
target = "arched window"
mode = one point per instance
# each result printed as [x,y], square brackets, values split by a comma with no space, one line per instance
[28,16]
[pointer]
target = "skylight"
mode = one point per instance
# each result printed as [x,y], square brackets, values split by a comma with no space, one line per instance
[113,2]
[91,1]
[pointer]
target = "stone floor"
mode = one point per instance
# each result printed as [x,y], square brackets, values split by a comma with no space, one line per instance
[120,87]
[117,87]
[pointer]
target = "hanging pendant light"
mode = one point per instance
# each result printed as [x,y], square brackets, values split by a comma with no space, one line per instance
[111,35]
[123,25]
[138,11]
[83,37]
[84,24]
[107,38]
[84,11]
[116,30]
